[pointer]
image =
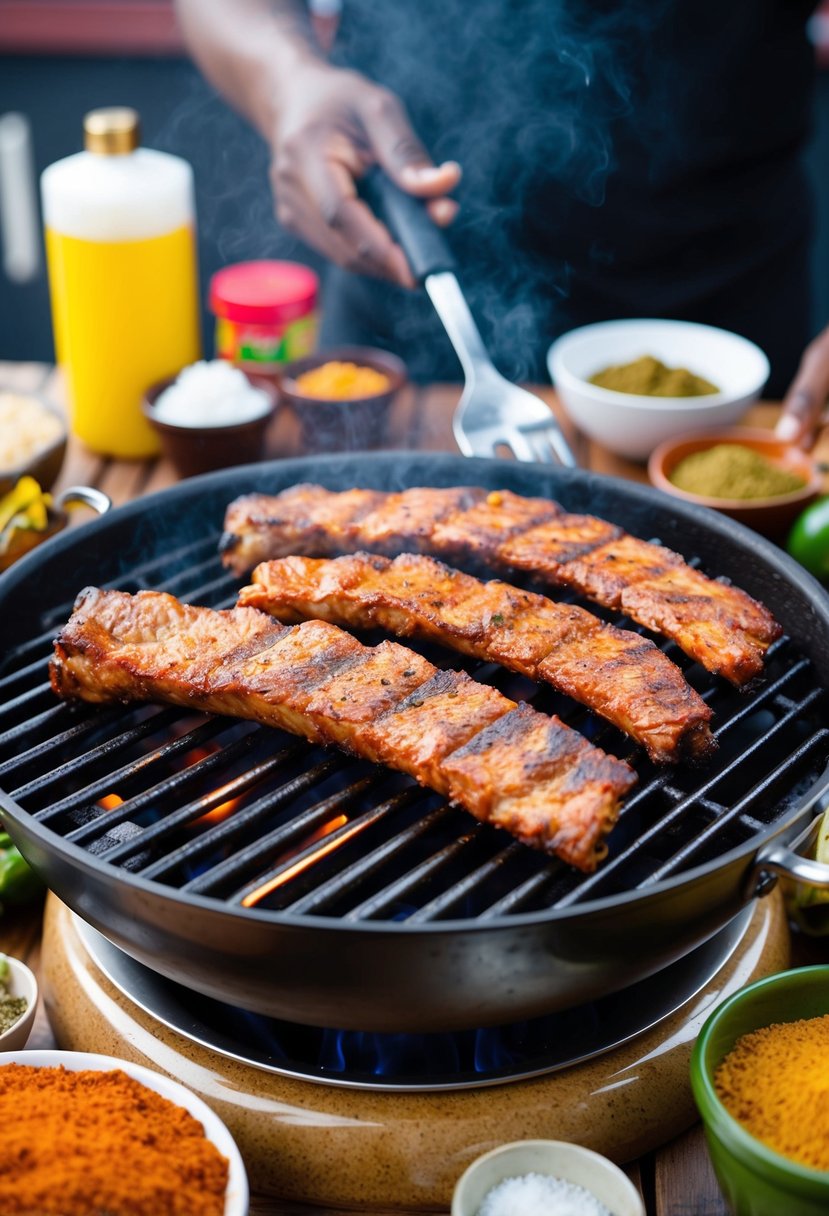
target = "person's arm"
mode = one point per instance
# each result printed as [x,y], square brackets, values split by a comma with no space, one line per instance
[808,394]
[325,126]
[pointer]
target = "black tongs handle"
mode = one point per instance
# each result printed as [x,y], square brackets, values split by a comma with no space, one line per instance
[406,217]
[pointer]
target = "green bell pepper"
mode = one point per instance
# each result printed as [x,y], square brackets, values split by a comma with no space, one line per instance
[18,882]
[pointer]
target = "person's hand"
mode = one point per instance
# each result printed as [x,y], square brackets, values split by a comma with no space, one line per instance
[332,126]
[807,396]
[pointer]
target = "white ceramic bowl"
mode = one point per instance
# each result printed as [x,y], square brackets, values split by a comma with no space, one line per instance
[556,1158]
[236,1199]
[633,425]
[21,983]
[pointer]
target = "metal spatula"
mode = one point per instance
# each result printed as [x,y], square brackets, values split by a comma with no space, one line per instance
[492,413]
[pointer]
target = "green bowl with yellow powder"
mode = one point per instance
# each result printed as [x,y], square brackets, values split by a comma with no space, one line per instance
[761,1062]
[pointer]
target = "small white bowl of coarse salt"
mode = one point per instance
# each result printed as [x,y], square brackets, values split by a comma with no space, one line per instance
[545,1178]
[210,416]
[211,394]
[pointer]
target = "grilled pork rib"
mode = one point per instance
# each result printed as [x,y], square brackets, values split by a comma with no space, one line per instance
[622,676]
[716,624]
[505,763]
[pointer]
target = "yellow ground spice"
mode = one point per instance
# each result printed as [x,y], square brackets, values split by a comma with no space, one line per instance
[731,470]
[338,381]
[650,377]
[93,1143]
[775,1081]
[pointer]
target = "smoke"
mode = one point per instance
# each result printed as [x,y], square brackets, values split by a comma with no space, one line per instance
[526,96]
[230,160]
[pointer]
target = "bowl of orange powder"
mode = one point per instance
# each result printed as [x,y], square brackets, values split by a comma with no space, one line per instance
[760,1077]
[342,397]
[91,1135]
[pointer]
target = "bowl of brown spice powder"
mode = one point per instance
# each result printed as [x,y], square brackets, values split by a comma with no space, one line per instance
[743,472]
[87,1134]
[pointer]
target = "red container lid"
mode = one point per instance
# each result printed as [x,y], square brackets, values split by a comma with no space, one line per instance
[263,293]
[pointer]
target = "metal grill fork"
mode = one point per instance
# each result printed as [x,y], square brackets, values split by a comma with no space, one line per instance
[492,413]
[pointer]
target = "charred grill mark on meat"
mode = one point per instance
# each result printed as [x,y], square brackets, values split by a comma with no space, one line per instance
[717,624]
[505,763]
[622,676]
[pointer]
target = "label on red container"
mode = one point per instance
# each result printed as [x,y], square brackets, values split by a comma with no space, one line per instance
[242,342]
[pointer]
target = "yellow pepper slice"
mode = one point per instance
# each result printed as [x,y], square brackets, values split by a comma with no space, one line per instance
[27,501]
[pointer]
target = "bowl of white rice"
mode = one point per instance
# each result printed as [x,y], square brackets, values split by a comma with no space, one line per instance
[211,416]
[32,440]
[536,1177]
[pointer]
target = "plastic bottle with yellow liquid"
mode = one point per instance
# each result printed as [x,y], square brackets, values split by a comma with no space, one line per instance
[123,280]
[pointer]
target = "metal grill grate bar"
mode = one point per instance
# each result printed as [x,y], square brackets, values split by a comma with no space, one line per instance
[401,887]
[206,593]
[20,674]
[474,880]
[200,806]
[232,869]
[693,847]
[24,699]
[26,729]
[348,879]
[521,895]
[302,859]
[659,829]
[153,572]
[40,645]
[221,834]
[124,774]
[76,734]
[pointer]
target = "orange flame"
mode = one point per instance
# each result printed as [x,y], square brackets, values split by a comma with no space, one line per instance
[220,812]
[304,862]
[110,802]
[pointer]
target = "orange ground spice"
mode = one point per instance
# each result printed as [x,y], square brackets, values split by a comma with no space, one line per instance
[338,381]
[101,1144]
[775,1081]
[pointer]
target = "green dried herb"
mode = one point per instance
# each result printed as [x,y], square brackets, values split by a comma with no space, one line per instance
[12,1008]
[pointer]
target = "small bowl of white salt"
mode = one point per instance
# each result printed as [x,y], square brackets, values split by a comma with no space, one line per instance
[545,1178]
[212,415]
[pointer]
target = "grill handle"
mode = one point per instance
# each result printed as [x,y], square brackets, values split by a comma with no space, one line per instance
[794,860]
[88,496]
[424,244]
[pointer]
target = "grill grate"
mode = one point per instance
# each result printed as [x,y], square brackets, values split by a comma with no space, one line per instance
[250,817]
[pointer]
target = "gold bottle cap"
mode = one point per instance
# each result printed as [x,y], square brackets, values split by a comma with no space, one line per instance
[112,132]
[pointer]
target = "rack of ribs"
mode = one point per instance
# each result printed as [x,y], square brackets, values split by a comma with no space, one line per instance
[505,763]
[716,624]
[619,674]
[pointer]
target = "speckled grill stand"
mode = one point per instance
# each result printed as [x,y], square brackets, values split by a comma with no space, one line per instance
[354,1148]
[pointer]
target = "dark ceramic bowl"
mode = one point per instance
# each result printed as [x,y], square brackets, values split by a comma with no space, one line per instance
[770,516]
[756,1180]
[45,464]
[200,449]
[342,425]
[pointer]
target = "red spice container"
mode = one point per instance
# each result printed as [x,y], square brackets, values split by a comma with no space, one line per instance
[266,312]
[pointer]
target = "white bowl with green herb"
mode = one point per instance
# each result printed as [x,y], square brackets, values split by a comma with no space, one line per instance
[632,424]
[18,1003]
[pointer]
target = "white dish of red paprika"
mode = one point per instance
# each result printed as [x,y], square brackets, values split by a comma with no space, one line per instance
[90,1133]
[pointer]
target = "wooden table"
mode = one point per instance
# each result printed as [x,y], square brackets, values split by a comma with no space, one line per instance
[677,1179]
